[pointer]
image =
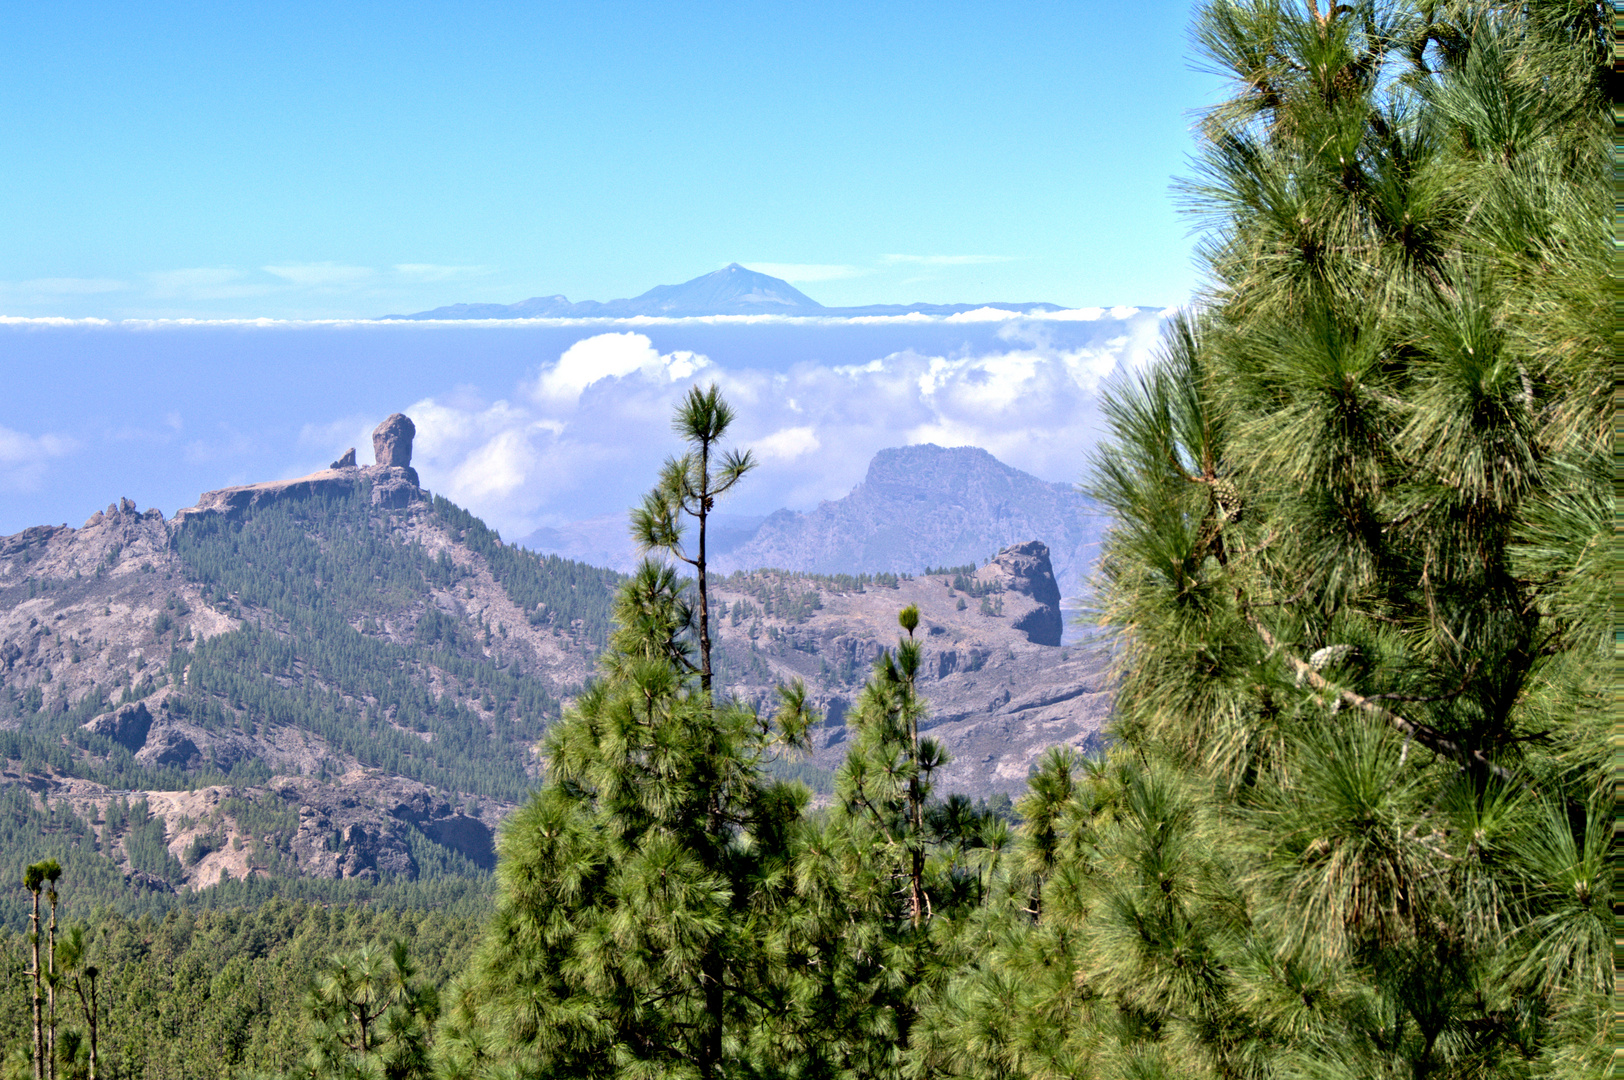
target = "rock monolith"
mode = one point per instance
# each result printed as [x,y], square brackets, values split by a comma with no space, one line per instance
[392,441]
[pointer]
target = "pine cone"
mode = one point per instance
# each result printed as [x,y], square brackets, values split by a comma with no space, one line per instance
[1226,500]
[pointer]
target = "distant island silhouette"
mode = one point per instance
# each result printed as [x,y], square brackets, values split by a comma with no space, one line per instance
[732,290]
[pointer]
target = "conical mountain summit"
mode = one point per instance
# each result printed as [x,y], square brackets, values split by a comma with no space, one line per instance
[732,290]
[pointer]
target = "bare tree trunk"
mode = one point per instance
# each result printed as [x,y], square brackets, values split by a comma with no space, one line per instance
[88,1007]
[916,818]
[50,988]
[91,975]
[710,1049]
[39,1002]
[704,596]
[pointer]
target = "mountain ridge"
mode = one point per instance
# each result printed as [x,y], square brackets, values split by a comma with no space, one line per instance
[732,290]
[342,677]
[917,506]
[924,505]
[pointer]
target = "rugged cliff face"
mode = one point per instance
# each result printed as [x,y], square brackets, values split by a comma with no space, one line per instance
[1001,689]
[1024,570]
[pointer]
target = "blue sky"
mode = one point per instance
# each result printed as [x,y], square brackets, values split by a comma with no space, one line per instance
[174,167]
[351,160]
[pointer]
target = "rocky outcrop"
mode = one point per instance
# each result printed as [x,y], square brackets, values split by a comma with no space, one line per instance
[999,687]
[35,536]
[392,441]
[122,512]
[1023,569]
[391,487]
[394,481]
[126,725]
[361,829]
[436,819]
[169,745]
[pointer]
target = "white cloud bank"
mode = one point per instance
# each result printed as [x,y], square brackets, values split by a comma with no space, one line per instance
[611,356]
[584,435]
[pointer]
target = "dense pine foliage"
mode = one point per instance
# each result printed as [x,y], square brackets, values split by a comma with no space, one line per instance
[217,992]
[308,572]
[1353,821]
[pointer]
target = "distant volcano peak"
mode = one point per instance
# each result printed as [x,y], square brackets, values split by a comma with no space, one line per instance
[732,290]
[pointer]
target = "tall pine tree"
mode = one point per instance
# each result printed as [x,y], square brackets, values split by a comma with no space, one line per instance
[1358,562]
[638,886]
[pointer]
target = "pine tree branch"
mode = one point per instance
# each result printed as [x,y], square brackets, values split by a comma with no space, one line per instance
[1425,734]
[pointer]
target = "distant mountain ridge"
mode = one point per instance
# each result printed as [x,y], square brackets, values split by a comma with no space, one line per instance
[918,506]
[732,290]
[928,505]
[605,540]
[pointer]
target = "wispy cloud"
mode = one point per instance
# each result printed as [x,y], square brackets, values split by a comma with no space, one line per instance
[322,274]
[24,458]
[67,286]
[431,272]
[208,283]
[807,272]
[945,260]
[196,277]
[227,441]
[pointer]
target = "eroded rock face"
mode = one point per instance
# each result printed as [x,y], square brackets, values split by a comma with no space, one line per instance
[360,829]
[393,488]
[392,441]
[35,536]
[345,462]
[1025,569]
[1000,688]
[126,725]
[434,816]
[169,745]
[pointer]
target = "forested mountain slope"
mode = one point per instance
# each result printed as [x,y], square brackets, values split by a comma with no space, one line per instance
[338,677]
[342,678]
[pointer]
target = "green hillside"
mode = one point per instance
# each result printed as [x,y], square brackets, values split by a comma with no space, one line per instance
[342,636]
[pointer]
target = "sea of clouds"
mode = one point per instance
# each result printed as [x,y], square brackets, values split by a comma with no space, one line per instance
[538,423]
